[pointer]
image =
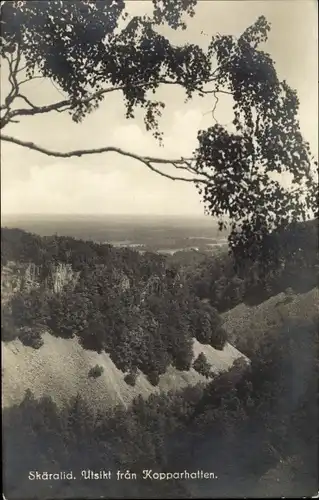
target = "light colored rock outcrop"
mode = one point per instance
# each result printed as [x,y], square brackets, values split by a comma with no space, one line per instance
[63,275]
[17,276]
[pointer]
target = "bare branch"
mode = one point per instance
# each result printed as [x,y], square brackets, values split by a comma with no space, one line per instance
[22,69]
[215,91]
[186,166]
[214,108]
[163,174]
[149,161]
[35,77]
[24,98]
[13,68]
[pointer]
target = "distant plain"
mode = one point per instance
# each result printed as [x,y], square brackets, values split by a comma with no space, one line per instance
[161,234]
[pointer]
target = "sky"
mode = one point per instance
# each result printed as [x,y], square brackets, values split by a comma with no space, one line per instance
[32,183]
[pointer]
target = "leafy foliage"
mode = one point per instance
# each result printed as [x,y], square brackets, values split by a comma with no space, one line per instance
[78,45]
[219,281]
[130,378]
[89,49]
[96,371]
[266,141]
[29,309]
[202,366]
[207,325]
[31,337]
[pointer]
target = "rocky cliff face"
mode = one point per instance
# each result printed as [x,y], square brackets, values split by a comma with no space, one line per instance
[124,283]
[16,277]
[63,275]
[10,282]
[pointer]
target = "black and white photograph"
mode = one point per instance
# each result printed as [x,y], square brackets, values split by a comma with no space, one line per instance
[159,249]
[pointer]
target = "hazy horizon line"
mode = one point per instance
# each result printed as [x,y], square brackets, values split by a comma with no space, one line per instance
[85,215]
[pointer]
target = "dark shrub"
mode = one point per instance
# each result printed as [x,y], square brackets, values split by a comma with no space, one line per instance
[153,378]
[96,371]
[202,366]
[130,378]
[219,338]
[30,337]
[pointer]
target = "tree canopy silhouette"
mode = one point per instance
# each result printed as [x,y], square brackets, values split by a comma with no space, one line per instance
[91,49]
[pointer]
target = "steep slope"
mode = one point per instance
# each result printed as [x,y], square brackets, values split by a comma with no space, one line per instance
[247,325]
[99,305]
[60,369]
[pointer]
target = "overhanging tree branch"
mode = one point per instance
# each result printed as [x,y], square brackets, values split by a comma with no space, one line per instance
[73,103]
[67,104]
[149,161]
[82,152]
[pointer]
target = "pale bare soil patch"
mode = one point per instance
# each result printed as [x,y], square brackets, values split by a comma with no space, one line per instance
[60,369]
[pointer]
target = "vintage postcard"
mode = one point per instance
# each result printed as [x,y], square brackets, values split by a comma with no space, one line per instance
[159,249]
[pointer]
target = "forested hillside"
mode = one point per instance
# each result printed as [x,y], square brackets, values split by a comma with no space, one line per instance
[240,427]
[289,259]
[134,307]
[144,310]
[154,317]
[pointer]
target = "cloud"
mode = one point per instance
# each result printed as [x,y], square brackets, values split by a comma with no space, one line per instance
[112,183]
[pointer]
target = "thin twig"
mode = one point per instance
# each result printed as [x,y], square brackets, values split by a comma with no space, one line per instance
[214,108]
